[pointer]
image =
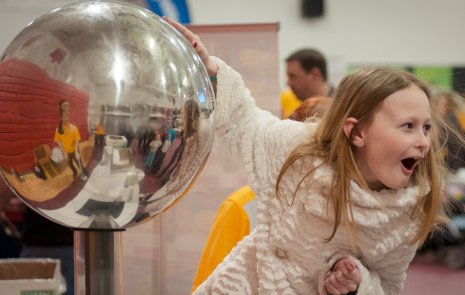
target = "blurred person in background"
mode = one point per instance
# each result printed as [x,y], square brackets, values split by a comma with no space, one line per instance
[307,77]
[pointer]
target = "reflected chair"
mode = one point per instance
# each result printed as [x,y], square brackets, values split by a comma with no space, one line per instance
[42,155]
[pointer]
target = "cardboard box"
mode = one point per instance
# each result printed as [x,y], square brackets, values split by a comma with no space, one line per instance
[116,141]
[122,160]
[31,277]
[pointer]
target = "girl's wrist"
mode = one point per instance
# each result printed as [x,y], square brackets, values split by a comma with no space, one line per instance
[212,68]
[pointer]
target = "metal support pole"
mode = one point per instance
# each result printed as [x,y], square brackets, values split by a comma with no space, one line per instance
[98,262]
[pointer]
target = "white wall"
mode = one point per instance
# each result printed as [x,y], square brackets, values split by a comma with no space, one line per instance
[394,31]
[423,32]
[356,31]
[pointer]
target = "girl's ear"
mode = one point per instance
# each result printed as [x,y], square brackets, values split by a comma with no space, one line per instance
[353,133]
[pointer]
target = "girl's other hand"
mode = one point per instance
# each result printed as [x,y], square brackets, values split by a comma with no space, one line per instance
[343,278]
[194,40]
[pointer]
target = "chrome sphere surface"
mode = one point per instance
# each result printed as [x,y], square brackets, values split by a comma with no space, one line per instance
[105,115]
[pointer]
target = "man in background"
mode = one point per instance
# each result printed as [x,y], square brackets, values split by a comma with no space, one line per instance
[307,77]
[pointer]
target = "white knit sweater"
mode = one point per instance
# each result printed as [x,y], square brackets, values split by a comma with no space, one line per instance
[287,252]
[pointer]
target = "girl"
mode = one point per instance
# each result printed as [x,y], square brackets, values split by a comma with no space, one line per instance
[161,154]
[153,146]
[342,203]
[67,136]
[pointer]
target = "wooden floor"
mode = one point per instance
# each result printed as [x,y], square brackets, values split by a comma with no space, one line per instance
[39,190]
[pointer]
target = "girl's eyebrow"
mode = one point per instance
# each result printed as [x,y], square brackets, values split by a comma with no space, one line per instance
[415,118]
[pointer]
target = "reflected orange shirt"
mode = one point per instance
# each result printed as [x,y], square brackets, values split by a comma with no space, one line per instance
[99,129]
[68,138]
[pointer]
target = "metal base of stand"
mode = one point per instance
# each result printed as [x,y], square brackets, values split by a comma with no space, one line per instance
[98,263]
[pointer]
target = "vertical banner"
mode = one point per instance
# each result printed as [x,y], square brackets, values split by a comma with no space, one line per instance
[175,9]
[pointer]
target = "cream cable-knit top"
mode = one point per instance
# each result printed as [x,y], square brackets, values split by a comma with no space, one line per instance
[287,253]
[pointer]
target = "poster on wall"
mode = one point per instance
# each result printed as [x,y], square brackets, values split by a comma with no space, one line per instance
[442,78]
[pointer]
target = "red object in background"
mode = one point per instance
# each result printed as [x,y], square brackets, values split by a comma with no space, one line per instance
[13,209]
[57,55]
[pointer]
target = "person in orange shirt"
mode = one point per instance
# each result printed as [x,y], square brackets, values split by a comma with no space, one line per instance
[100,134]
[67,136]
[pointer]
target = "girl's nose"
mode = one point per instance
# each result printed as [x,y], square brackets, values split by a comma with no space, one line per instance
[423,141]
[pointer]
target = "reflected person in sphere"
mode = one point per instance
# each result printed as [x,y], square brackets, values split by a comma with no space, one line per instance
[176,171]
[189,124]
[160,156]
[190,128]
[154,146]
[67,136]
[343,203]
[100,134]
[65,106]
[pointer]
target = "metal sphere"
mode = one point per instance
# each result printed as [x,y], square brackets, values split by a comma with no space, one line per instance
[105,115]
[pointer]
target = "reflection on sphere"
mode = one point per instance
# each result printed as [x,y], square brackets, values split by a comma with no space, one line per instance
[106,115]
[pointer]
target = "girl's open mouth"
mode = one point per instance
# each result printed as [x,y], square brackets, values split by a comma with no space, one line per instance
[410,163]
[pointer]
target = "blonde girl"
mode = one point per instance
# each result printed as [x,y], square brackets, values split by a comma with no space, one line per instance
[342,203]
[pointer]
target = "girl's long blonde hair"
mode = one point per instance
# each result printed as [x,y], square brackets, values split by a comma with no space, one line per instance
[360,95]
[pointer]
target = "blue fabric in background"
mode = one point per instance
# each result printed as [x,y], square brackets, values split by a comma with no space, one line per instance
[175,9]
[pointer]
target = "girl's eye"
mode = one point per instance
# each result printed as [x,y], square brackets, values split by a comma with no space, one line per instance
[408,125]
[427,128]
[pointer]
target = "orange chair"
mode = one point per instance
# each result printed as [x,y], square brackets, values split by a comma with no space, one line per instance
[42,155]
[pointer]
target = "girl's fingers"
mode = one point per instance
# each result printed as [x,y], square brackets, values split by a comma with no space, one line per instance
[352,272]
[330,289]
[190,36]
[349,267]
[195,42]
[341,279]
[338,283]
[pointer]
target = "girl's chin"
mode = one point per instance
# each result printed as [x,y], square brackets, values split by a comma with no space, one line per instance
[380,186]
[377,186]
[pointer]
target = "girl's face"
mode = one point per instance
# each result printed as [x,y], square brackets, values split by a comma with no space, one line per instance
[65,106]
[181,117]
[65,118]
[391,146]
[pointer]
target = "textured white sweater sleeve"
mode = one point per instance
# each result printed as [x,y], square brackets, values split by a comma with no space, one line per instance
[260,138]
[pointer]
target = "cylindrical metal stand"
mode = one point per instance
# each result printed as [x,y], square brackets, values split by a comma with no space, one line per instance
[98,263]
